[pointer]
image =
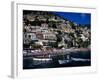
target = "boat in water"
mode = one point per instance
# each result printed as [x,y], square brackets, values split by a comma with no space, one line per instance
[42,59]
[39,61]
[73,59]
[63,61]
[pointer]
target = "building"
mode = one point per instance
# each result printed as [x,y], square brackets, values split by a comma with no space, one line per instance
[49,36]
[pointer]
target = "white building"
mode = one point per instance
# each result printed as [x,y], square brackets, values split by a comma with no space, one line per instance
[49,36]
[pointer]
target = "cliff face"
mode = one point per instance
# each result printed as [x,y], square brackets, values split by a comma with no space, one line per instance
[56,31]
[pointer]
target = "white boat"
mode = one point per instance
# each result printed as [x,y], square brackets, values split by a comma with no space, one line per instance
[42,59]
[63,61]
[80,59]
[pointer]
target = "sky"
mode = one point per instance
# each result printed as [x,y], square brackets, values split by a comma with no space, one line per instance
[79,18]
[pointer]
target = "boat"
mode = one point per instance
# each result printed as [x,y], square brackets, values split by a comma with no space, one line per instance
[80,59]
[63,61]
[42,59]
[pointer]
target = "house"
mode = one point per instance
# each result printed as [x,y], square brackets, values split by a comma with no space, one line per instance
[49,36]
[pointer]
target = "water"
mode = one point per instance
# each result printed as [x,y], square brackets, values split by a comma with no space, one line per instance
[75,59]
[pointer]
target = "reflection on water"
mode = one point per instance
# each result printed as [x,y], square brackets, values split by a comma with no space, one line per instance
[74,59]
